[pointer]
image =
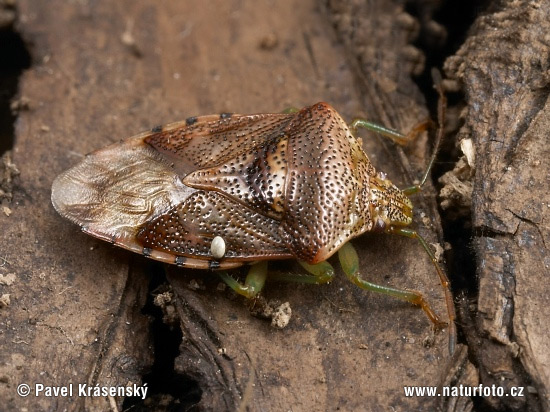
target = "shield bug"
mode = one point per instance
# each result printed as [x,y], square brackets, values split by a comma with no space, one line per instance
[220,191]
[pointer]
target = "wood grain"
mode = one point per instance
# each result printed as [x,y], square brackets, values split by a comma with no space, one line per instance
[104,71]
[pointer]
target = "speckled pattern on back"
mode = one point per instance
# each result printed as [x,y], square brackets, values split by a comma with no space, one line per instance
[271,185]
[212,141]
[305,171]
[327,187]
[188,229]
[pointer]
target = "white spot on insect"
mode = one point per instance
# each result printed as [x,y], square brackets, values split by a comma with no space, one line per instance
[217,248]
[382,176]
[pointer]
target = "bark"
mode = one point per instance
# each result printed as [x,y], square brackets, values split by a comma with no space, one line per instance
[503,68]
[81,311]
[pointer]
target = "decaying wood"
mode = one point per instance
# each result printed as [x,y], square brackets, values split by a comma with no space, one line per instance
[504,70]
[113,69]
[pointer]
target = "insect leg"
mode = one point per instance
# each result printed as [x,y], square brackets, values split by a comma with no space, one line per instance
[442,278]
[322,272]
[392,134]
[350,264]
[253,284]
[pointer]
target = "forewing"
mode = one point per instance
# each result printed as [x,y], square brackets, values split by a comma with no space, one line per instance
[187,230]
[115,190]
[207,141]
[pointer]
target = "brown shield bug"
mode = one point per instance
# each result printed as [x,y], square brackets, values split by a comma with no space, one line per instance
[220,191]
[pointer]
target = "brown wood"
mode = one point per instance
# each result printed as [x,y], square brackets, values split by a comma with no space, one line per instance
[102,71]
[503,69]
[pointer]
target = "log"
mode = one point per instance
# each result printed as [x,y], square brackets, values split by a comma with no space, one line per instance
[502,68]
[84,312]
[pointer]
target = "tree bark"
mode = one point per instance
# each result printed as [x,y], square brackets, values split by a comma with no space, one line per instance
[83,312]
[503,68]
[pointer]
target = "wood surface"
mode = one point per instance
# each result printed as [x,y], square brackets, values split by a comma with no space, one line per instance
[503,68]
[82,311]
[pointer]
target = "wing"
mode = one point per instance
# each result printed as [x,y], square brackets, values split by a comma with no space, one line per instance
[207,141]
[127,194]
[187,230]
[115,190]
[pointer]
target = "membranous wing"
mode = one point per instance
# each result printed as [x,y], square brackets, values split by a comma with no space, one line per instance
[116,193]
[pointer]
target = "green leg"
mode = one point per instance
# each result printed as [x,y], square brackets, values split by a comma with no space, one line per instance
[253,284]
[320,273]
[442,278]
[403,139]
[350,264]
[392,134]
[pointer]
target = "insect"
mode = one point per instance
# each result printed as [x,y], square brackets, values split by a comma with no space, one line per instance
[219,191]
